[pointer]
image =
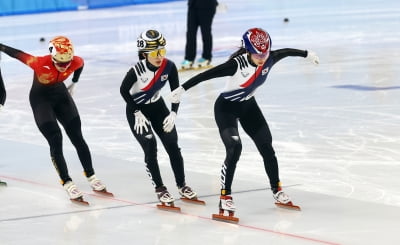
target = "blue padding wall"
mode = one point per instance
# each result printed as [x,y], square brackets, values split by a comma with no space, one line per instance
[12,7]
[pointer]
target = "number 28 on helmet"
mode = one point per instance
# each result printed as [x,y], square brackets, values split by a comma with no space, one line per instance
[152,43]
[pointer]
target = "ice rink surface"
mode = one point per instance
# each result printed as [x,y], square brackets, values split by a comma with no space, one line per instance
[335,128]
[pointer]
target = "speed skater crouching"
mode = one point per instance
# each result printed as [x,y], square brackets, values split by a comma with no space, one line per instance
[148,115]
[246,69]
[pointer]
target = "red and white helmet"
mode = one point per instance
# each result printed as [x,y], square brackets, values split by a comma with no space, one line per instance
[61,49]
[256,41]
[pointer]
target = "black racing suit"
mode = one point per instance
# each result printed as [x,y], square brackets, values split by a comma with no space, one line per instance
[155,110]
[237,104]
[2,90]
[51,102]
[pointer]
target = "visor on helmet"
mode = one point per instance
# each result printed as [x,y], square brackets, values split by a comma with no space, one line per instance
[158,52]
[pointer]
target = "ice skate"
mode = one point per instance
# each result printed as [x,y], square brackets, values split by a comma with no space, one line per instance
[188,195]
[186,65]
[283,200]
[74,194]
[2,183]
[166,199]
[203,64]
[226,204]
[98,186]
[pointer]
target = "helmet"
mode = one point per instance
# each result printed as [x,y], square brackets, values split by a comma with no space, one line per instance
[61,49]
[256,41]
[150,40]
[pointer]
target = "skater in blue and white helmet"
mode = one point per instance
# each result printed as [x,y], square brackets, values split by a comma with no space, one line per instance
[247,69]
[147,112]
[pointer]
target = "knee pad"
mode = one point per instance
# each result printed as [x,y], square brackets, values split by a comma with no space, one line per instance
[267,151]
[233,144]
[149,146]
[53,135]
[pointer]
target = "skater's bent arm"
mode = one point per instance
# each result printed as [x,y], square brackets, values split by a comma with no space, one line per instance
[226,69]
[18,54]
[77,74]
[126,85]
[173,79]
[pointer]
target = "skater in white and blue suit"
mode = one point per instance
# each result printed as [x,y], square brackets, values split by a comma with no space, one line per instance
[147,112]
[247,69]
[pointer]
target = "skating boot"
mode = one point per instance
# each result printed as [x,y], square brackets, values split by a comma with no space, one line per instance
[203,63]
[226,204]
[283,200]
[2,183]
[74,194]
[98,186]
[188,195]
[186,65]
[166,199]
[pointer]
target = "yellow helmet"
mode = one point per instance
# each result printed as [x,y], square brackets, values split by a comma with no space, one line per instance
[61,49]
[150,40]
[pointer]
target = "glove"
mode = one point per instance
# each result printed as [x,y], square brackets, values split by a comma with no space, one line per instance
[71,89]
[169,122]
[140,122]
[312,56]
[175,96]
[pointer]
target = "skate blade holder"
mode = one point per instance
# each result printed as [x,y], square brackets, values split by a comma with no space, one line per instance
[80,201]
[202,67]
[194,201]
[195,68]
[104,192]
[169,207]
[226,218]
[288,205]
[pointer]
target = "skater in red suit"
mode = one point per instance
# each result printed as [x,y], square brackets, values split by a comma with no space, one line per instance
[247,69]
[148,114]
[52,102]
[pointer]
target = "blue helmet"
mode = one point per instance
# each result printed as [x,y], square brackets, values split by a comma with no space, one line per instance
[256,41]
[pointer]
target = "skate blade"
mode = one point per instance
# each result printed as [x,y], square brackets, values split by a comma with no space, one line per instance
[194,201]
[185,69]
[80,201]
[223,218]
[195,68]
[203,67]
[169,207]
[105,193]
[288,206]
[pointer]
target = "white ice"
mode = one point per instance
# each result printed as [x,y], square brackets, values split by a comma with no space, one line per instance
[335,128]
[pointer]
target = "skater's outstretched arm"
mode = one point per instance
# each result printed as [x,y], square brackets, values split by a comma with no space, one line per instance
[18,54]
[279,54]
[226,69]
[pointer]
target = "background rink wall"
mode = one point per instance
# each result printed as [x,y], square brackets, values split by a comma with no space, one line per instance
[15,7]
